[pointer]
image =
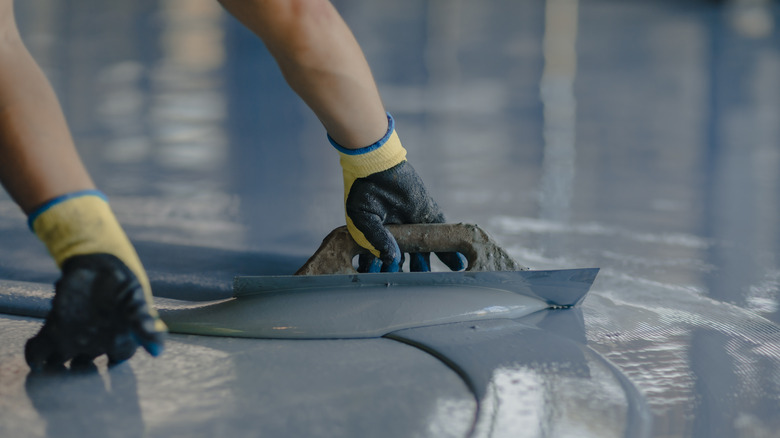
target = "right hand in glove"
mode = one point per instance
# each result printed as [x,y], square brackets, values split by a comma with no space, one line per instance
[103,301]
[381,187]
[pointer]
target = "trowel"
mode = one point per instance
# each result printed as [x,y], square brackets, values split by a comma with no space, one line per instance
[328,299]
[489,265]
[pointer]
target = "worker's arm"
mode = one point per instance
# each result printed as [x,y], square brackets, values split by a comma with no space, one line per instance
[323,63]
[39,161]
[103,299]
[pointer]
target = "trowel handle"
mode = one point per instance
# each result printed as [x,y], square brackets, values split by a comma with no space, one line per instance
[338,249]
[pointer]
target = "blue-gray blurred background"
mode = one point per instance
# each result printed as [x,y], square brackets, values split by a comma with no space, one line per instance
[642,137]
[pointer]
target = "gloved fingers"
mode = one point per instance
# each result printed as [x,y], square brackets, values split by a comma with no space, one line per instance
[37,350]
[150,333]
[143,328]
[454,260]
[420,262]
[367,263]
[123,348]
[118,356]
[41,352]
[379,237]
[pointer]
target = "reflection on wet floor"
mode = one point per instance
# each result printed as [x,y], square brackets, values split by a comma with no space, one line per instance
[560,111]
[640,137]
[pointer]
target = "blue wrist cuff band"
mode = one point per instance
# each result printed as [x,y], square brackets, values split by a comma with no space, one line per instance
[60,199]
[369,148]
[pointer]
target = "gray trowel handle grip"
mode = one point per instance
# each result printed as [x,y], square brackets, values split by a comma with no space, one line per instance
[338,249]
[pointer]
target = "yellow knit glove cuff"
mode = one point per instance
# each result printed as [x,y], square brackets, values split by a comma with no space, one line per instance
[81,224]
[355,166]
[360,163]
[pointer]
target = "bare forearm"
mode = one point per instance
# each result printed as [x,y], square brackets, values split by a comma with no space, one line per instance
[38,160]
[322,62]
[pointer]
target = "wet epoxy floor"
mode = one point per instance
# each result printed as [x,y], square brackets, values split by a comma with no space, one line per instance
[639,137]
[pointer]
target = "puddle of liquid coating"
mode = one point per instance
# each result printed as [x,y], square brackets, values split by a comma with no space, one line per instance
[537,402]
[668,178]
[533,382]
[206,386]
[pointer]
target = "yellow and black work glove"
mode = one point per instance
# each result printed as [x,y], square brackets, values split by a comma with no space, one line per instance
[103,300]
[381,187]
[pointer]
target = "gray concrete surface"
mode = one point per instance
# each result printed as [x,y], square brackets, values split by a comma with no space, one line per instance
[640,137]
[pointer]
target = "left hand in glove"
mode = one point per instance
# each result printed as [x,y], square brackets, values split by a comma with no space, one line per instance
[99,308]
[381,187]
[103,300]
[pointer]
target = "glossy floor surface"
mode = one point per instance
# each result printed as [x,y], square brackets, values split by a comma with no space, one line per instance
[641,137]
